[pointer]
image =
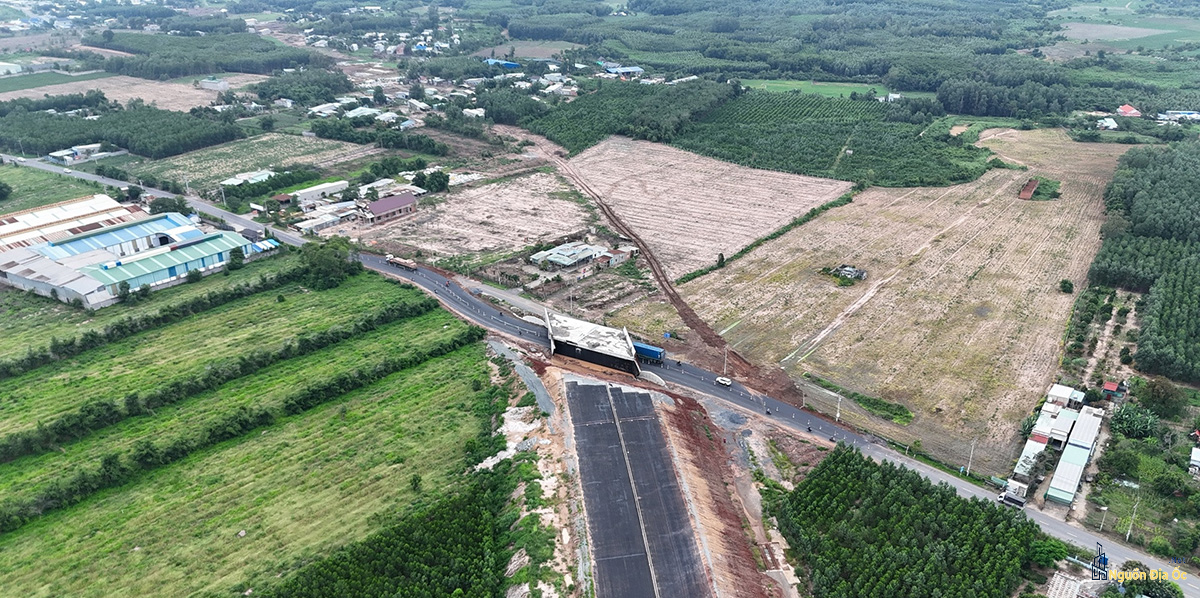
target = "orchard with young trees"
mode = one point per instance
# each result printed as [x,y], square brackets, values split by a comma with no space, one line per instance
[1152,243]
[864,530]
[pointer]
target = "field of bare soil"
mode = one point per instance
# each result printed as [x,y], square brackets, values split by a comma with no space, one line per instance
[169,96]
[689,208]
[495,218]
[960,318]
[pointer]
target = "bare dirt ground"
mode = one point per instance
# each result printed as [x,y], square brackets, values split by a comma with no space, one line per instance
[495,218]
[960,318]
[101,51]
[689,208]
[1092,31]
[169,96]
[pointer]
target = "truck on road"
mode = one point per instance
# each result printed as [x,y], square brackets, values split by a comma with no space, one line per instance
[401,263]
[649,353]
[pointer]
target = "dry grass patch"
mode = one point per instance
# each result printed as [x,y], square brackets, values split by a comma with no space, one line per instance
[689,208]
[961,317]
[168,96]
[496,218]
[206,167]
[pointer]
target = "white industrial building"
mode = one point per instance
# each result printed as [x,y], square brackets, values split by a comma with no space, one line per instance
[321,191]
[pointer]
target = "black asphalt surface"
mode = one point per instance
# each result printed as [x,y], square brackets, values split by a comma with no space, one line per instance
[480,312]
[673,552]
[615,529]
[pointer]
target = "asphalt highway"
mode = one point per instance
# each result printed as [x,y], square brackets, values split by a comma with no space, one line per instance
[480,312]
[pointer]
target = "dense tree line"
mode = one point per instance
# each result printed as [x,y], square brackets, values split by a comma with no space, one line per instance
[651,112]
[149,180]
[865,529]
[343,130]
[60,349]
[508,106]
[99,414]
[188,25]
[92,99]
[1152,242]
[456,547]
[142,130]
[281,180]
[171,56]
[307,88]
[116,469]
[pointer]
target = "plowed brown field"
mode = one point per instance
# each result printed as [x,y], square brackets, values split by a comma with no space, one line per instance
[689,208]
[961,317]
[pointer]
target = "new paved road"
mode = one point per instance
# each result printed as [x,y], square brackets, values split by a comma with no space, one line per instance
[698,379]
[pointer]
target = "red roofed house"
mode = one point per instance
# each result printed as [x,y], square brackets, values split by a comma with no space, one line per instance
[391,207]
[1129,111]
[1114,390]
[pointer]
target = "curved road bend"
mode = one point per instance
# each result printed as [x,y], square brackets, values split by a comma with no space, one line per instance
[700,380]
[480,312]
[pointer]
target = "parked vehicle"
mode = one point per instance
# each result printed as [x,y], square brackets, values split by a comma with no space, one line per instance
[723,381]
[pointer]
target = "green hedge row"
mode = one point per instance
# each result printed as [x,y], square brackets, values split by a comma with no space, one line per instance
[102,413]
[124,328]
[116,469]
[797,221]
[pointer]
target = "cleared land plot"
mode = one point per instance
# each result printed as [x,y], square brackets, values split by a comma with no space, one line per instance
[32,188]
[206,167]
[299,489]
[832,90]
[961,317]
[690,208]
[168,96]
[498,218]
[19,82]
[528,49]
[619,518]
[158,356]
[1106,32]
[30,321]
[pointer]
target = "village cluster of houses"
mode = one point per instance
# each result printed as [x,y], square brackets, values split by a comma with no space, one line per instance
[1063,424]
[424,43]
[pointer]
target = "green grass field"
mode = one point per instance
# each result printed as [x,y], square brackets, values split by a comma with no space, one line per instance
[299,489]
[832,90]
[151,359]
[20,82]
[33,188]
[28,321]
[268,387]
[206,167]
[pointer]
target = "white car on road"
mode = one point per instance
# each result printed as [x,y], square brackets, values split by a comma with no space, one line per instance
[723,381]
[67,171]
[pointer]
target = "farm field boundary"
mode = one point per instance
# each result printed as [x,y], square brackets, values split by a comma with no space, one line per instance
[116,470]
[103,413]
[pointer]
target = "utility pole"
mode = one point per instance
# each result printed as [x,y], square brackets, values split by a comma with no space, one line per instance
[187,188]
[22,144]
[725,363]
[971,457]
[223,200]
[1135,506]
[838,417]
[1105,511]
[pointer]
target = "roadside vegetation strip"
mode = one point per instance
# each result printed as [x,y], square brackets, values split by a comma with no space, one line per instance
[116,469]
[301,488]
[102,413]
[189,347]
[28,322]
[846,198]
[59,349]
[188,417]
[894,411]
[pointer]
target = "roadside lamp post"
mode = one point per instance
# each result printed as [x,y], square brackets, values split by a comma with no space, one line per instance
[1105,510]
[1135,506]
